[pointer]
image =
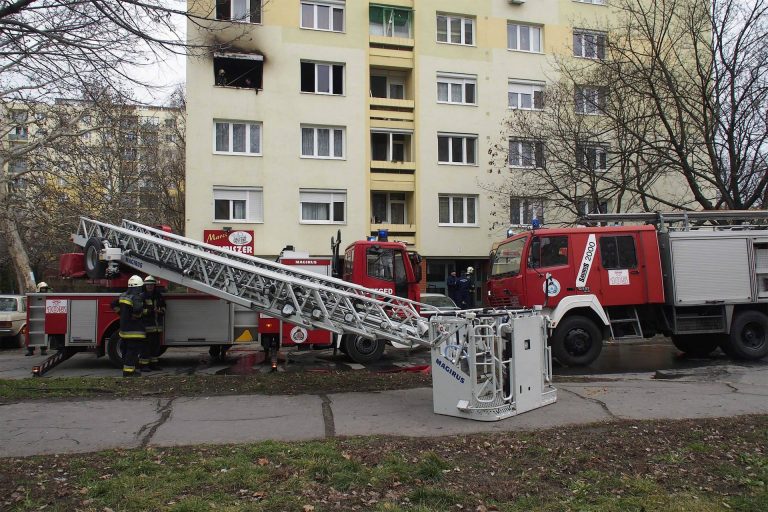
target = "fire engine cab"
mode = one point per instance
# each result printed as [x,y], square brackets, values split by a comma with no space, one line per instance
[693,276]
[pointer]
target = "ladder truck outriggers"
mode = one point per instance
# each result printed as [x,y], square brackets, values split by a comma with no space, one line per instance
[486,365]
[699,277]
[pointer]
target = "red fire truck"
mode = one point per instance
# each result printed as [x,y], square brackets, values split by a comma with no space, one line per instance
[75,322]
[691,276]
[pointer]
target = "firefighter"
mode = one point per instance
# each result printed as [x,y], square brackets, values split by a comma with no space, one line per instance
[42,287]
[466,289]
[452,283]
[154,309]
[133,334]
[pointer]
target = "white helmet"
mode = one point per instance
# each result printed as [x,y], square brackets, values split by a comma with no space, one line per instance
[150,280]
[41,285]
[135,281]
[470,270]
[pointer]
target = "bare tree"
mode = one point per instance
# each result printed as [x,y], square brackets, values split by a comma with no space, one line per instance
[679,94]
[58,48]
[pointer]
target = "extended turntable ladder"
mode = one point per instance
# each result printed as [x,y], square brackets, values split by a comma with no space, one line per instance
[300,297]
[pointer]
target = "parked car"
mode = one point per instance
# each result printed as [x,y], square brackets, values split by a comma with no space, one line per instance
[438,300]
[13,318]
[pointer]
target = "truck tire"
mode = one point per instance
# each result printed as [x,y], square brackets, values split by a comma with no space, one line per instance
[114,350]
[577,341]
[363,350]
[749,336]
[94,267]
[697,345]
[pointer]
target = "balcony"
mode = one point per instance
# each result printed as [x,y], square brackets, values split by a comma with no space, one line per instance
[389,57]
[402,181]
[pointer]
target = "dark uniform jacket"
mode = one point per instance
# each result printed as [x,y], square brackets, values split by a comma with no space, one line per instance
[130,305]
[154,309]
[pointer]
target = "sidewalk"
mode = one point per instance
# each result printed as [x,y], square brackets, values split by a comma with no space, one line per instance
[41,427]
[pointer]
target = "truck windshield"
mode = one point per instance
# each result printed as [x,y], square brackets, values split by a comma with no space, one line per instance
[8,304]
[508,257]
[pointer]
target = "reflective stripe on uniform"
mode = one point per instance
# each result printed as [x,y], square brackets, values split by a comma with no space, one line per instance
[126,301]
[132,335]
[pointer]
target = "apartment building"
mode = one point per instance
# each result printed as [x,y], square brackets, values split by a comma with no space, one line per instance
[326,115]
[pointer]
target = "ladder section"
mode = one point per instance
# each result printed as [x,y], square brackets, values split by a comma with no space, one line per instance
[299,297]
[719,219]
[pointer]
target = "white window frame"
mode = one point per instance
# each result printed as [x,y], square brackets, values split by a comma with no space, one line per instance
[528,208]
[388,27]
[588,99]
[389,202]
[249,125]
[583,155]
[330,66]
[464,137]
[450,20]
[247,18]
[331,142]
[521,88]
[332,5]
[581,43]
[586,206]
[522,144]
[254,203]
[594,2]
[539,30]
[333,194]
[450,79]
[465,199]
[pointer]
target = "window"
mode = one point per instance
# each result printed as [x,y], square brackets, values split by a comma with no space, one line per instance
[248,11]
[237,138]
[507,258]
[386,264]
[322,142]
[525,96]
[522,210]
[388,85]
[129,154]
[321,78]
[586,206]
[523,38]
[457,89]
[526,153]
[548,251]
[328,15]
[238,204]
[457,210]
[238,70]
[391,146]
[457,149]
[170,123]
[590,45]
[389,22]
[590,100]
[618,252]
[593,158]
[323,206]
[17,167]
[455,30]
[388,208]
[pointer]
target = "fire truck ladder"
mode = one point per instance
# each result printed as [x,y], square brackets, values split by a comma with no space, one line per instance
[718,219]
[300,297]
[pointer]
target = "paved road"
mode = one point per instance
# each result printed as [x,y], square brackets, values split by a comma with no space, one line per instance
[692,391]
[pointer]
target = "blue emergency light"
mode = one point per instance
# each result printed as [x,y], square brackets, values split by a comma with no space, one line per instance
[383,235]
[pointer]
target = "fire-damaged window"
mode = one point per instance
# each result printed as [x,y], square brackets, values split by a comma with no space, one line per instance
[618,252]
[248,11]
[238,70]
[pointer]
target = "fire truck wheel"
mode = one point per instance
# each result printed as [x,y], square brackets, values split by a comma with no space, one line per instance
[749,335]
[94,268]
[363,350]
[697,345]
[114,350]
[576,341]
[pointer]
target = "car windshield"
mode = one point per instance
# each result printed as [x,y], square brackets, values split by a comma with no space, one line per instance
[508,257]
[439,301]
[8,304]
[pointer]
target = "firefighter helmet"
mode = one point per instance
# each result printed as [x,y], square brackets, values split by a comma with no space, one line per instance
[42,287]
[150,280]
[135,281]
[470,270]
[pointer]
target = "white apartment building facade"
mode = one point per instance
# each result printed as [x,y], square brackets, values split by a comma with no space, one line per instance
[326,115]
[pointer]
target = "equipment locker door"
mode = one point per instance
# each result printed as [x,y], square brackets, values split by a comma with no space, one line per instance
[81,328]
[621,269]
[549,254]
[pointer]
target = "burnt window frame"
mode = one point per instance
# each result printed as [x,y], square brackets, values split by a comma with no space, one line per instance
[236,64]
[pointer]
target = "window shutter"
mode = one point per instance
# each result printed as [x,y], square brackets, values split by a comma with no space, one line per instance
[232,195]
[538,99]
[256,205]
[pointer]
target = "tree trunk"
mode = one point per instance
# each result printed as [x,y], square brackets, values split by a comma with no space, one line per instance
[9,230]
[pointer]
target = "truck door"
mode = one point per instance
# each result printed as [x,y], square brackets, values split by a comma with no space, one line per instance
[549,254]
[622,280]
[386,271]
